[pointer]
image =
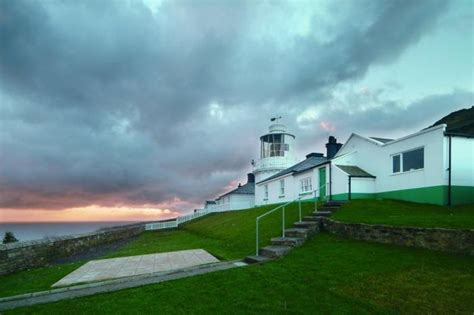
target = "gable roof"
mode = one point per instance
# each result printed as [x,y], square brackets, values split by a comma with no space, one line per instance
[383,140]
[300,167]
[247,189]
[354,171]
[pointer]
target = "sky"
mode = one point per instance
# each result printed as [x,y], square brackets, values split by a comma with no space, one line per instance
[141,110]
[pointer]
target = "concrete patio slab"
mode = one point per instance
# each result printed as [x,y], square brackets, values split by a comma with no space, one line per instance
[105,269]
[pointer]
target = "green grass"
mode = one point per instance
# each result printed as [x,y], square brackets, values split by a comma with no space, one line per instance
[229,235]
[327,275]
[34,279]
[401,213]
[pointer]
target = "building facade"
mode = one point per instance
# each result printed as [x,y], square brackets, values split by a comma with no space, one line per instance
[242,197]
[430,166]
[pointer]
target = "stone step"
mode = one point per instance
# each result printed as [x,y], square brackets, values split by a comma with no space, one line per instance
[311,218]
[322,213]
[256,259]
[274,251]
[333,209]
[296,232]
[306,224]
[287,241]
[334,203]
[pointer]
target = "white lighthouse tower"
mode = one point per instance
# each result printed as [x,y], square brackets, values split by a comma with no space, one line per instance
[276,151]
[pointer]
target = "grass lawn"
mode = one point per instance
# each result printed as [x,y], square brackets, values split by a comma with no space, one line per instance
[400,213]
[328,274]
[229,235]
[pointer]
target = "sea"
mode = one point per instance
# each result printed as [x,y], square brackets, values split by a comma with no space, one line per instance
[36,231]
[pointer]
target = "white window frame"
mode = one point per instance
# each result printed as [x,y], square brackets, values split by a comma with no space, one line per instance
[282,187]
[400,154]
[306,185]
[265,187]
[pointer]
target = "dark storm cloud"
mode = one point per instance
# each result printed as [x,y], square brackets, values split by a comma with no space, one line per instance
[108,102]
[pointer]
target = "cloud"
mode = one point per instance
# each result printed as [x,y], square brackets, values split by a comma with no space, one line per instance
[125,103]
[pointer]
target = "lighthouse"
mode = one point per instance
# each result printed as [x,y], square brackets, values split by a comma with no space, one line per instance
[276,151]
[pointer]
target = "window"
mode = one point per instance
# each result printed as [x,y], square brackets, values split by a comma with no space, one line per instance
[413,160]
[282,187]
[306,185]
[408,161]
[396,163]
[266,191]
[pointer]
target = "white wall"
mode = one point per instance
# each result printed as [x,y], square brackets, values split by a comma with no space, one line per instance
[376,160]
[292,188]
[362,185]
[340,183]
[462,161]
[233,202]
[274,191]
[297,184]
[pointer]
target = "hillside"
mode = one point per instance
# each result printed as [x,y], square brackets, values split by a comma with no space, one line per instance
[459,122]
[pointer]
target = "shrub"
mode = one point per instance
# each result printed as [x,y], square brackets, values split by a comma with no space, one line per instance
[9,238]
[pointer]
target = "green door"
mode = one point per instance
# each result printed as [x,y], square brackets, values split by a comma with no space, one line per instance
[322,183]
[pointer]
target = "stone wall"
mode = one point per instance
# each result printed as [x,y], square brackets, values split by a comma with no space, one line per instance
[447,240]
[29,254]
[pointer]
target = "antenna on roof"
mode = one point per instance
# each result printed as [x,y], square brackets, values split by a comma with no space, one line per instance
[275,118]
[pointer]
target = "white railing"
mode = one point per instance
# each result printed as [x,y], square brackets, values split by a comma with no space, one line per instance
[275,162]
[161,225]
[317,194]
[257,221]
[171,224]
[192,216]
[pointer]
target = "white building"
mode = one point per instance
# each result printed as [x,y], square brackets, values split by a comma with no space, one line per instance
[430,166]
[299,180]
[242,197]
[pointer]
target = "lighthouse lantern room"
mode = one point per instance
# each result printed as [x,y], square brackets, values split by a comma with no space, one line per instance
[276,151]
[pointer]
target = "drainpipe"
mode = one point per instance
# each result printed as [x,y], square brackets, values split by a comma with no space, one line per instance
[449,171]
[330,181]
[350,188]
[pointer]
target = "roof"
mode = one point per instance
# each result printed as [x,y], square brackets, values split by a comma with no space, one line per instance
[300,167]
[354,171]
[383,140]
[247,189]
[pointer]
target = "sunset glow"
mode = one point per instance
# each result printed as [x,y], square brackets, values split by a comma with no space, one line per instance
[91,213]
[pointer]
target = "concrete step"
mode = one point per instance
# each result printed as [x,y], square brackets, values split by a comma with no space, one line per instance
[274,251]
[322,213]
[311,218]
[297,232]
[334,203]
[306,224]
[333,209]
[256,259]
[287,241]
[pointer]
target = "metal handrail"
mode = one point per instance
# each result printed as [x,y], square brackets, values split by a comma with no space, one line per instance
[282,223]
[316,197]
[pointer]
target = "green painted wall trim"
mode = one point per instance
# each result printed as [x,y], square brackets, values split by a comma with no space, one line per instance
[434,195]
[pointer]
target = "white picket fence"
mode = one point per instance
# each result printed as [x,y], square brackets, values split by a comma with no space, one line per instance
[170,224]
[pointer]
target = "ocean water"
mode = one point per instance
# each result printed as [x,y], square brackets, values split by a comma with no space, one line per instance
[36,231]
